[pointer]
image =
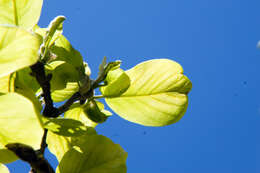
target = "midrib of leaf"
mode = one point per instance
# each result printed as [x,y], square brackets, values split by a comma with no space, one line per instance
[142,95]
[15,13]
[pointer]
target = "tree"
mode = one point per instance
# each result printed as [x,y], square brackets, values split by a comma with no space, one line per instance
[39,67]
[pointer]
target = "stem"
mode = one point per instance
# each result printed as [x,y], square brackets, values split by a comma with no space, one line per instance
[15,13]
[43,143]
[69,102]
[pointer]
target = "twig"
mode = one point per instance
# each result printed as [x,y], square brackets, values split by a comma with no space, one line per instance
[69,102]
[43,143]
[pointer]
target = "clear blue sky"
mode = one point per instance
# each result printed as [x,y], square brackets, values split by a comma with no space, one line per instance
[214,41]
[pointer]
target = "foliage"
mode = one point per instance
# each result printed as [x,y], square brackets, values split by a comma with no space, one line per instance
[39,67]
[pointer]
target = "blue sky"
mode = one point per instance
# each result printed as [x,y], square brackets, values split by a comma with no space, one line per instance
[214,41]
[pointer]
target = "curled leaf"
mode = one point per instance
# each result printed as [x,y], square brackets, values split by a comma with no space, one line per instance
[93,112]
[117,83]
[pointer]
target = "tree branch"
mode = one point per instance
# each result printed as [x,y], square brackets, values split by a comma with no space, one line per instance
[44,81]
[43,143]
[69,102]
[35,159]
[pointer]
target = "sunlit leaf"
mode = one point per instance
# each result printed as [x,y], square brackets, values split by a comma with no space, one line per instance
[24,79]
[7,83]
[55,27]
[18,49]
[60,95]
[29,94]
[24,13]
[3,168]
[66,127]
[117,83]
[65,52]
[94,154]
[64,82]
[43,31]
[77,112]
[19,121]
[53,32]
[157,95]
[105,67]
[59,145]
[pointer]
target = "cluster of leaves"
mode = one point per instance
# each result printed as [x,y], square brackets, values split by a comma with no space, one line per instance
[39,67]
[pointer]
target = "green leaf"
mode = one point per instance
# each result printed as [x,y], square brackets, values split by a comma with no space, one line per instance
[25,80]
[64,82]
[77,112]
[94,154]
[18,49]
[66,127]
[19,121]
[29,94]
[7,83]
[65,52]
[157,95]
[117,83]
[42,32]
[7,156]
[93,112]
[105,67]
[55,27]
[24,13]
[3,168]
[53,32]
[59,145]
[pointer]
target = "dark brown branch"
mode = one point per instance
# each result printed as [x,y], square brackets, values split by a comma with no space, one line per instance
[35,159]
[43,143]
[44,81]
[69,102]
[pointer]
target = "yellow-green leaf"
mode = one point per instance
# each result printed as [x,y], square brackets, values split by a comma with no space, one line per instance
[24,13]
[7,156]
[3,168]
[7,83]
[24,79]
[66,127]
[94,154]
[18,49]
[59,145]
[157,95]
[117,83]
[77,112]
[19,121]
[64,82]
[65,52]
